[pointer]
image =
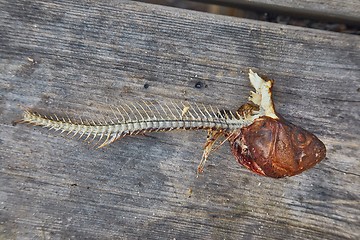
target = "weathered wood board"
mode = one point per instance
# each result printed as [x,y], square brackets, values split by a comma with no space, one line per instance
[81,56]
[348,10]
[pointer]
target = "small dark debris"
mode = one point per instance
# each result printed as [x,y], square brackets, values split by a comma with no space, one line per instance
[73,185]
[199,85]
[146,85]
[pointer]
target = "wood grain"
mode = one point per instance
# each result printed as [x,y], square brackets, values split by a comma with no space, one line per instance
[335,10]
[81,56]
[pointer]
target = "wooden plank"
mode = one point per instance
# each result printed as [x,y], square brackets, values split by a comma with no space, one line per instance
[82,56]
[325,10]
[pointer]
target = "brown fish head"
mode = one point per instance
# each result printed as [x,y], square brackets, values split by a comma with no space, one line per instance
[276,148]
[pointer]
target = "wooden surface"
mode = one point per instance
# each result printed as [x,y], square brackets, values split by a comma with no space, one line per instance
[348,10]
[80,57]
